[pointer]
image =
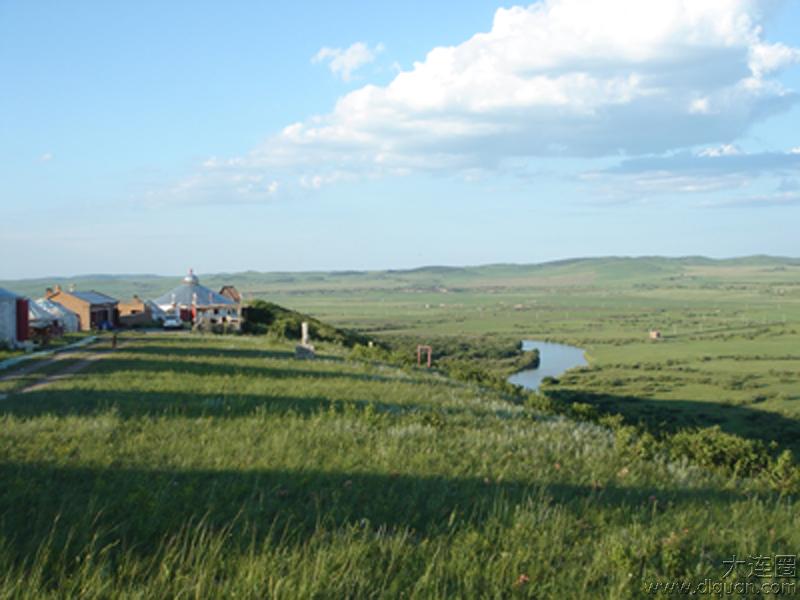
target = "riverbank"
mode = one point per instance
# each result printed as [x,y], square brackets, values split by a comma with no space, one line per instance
[552,360]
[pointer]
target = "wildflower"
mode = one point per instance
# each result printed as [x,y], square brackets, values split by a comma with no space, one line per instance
[557,466]
[522,580]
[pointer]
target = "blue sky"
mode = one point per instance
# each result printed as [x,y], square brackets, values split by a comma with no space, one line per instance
[150,137]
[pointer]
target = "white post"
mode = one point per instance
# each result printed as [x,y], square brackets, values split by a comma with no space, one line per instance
[304,337]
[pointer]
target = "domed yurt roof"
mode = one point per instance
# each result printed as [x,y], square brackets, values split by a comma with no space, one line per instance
[191,293]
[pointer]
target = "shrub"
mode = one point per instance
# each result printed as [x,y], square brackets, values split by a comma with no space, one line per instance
[784,474]
[267,318]
[712,447]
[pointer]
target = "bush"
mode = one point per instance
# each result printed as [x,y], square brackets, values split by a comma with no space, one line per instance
[584,411]
[784,474]
[266,318]
[712,447]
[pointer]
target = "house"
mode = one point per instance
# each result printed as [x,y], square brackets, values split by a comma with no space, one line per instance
[135,312]
[655,334]
[197,303]
[231,292]
[14,330]
[94,310]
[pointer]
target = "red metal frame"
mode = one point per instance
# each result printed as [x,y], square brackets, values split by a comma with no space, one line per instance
[23,328]
[420,350]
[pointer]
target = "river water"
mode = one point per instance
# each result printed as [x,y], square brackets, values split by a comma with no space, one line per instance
[554,359]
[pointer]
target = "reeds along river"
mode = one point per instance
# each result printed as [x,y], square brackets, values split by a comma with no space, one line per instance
[554,359]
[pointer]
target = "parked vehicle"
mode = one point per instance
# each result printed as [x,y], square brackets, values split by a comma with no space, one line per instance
[172,322]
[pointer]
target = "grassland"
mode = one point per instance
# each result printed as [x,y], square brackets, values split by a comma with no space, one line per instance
[190,466]
[203,466]
[730,354]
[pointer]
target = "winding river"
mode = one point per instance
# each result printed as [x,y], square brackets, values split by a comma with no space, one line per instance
[554,359]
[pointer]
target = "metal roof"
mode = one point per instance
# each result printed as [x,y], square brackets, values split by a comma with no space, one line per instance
[190,292]
[93,297]
[7,295]
[38,315]
[55,308]
[68,319]
[155,309]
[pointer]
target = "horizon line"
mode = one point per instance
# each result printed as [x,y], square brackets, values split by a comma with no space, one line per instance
[412,269]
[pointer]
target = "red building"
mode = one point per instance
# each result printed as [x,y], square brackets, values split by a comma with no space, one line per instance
[14,327]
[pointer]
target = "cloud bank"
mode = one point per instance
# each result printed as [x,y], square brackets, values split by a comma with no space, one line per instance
[558,78]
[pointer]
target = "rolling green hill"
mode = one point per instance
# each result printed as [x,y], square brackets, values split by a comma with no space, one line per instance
[213,466]
[564,273]
[730,327]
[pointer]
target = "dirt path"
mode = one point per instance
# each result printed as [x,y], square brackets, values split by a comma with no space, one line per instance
[87,357]
[32,358]
[32,367]
[65,373]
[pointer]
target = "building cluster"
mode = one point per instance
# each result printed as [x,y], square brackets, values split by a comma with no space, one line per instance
[24,321]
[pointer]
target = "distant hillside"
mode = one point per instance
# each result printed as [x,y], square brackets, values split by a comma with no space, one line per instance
[580,272]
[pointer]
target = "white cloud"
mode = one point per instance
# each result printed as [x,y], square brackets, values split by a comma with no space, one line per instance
[723,150]
[344,62]
[562,77]
[766,58]
[559,78]
[700,106]
[777,199]
[46,157]
[219,181]
[713,169]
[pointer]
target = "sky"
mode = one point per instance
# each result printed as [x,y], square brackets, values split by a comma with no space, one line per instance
[150,137]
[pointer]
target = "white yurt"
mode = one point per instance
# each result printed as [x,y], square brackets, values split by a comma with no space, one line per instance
[192,301]
[69,320]
[38,317]
[8,318]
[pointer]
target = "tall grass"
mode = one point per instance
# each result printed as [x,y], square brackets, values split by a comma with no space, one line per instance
[198,467]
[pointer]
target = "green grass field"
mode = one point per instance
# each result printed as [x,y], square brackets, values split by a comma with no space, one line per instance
[220,466]
[186,466]
[730,353]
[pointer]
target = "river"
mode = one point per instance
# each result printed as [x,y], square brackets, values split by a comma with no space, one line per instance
[554,359]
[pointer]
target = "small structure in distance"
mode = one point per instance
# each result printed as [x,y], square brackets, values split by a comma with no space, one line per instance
[198,304]
[304,349]
[94,310]
[135,312]
[14,328]
[655,335]
[428,350]
[231,292]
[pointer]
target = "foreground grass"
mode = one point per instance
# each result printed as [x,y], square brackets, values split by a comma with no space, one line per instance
[205,467]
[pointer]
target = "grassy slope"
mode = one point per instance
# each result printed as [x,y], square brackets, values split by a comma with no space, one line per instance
[211,466]
[730,354]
